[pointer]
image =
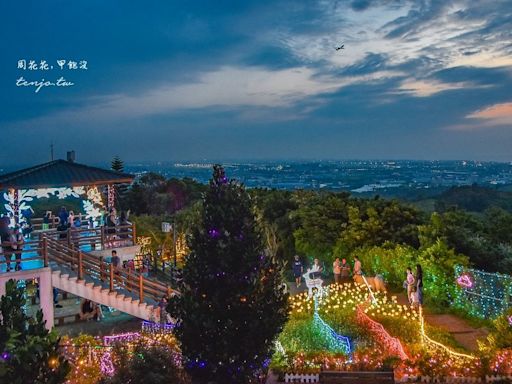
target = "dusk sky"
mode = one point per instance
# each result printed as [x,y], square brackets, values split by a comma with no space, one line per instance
[225,80]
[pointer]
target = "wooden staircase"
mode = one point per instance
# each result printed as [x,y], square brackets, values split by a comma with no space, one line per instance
[88,276]
[97,292]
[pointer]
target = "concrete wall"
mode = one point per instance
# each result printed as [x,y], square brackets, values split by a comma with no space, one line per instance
[45,288]
[100,295]
[124,253]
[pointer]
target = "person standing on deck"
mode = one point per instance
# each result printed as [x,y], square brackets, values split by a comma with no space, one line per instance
[115,260]
[116,265]
[63,216]
[110,222]
[17,242]
[46,220]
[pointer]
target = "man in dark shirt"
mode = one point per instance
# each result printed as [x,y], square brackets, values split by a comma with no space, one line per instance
[116,266]
[115,260]
[63,216]
[298,270]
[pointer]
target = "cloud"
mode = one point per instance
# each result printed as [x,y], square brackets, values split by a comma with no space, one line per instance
[424,88]
[229,88]
[267,63]
[494,116]
[490,59]
[497,114]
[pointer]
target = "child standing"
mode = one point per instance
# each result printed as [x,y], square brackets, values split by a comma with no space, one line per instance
[414,298]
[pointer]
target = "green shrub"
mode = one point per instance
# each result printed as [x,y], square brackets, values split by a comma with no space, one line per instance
[500,336]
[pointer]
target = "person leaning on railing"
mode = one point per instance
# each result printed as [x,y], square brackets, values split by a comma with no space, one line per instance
[16,242]
[124,224]
[46,220]
[6,250]
[110,223]
[12,244]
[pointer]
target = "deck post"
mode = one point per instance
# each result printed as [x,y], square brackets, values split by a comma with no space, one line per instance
[45,251]
[80,266]
[128,284]
[102,233]
[102,274]
[141,287]
[46,296]
[111,283]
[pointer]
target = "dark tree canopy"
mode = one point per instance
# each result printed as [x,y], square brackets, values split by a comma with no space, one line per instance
[232,303]
[117,164]
[29,353]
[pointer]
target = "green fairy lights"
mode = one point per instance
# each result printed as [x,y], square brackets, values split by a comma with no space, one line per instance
[482,294]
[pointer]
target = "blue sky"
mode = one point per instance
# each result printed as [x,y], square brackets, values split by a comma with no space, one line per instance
[221,80]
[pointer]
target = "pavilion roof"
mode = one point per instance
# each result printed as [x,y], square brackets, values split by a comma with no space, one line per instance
[61,173]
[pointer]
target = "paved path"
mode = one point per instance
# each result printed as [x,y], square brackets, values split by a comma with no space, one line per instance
[462,332]
[293,289]
[113,322]
[465,334]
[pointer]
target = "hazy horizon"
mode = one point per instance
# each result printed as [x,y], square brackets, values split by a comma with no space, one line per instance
[20,165]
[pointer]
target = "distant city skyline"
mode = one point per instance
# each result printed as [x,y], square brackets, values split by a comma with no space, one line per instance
[256,80]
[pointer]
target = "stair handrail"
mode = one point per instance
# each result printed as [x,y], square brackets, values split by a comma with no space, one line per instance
[147,287]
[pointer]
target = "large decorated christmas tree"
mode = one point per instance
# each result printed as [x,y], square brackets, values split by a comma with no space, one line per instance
[232,303]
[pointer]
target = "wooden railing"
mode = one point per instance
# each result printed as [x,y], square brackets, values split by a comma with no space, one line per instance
[32,246]
[48,249]
[99,238]
[85,264]
[37,223]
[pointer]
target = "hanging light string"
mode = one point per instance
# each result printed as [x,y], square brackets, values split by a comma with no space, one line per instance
[392,344]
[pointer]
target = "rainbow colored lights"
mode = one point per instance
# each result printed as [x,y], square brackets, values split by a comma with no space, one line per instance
[335,341]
